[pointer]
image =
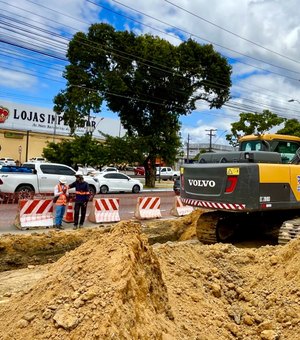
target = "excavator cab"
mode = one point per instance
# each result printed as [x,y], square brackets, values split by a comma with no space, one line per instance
[285,145]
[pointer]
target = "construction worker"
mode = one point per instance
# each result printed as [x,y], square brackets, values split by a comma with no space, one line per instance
[61,194]
[82,192]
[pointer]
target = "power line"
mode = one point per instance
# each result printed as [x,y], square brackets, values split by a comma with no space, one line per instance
[64,59]
[233,33]
[197,36]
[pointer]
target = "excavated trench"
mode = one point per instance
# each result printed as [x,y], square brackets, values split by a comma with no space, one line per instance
[19,251]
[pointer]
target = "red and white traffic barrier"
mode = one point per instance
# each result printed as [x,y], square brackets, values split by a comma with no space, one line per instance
[104,210]
[147,208]
[34,213]
[179,208]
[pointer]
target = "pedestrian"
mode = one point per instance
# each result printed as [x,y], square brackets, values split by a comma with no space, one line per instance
[61,194]
[82,195]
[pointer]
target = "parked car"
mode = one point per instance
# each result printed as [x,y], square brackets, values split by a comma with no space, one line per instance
[139,171]
[118,182]
[166,172]
[8,161]
[2,163]
[88,170]
[38,159]
[109,169]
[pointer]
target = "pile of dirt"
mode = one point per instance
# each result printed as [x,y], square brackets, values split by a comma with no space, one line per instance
[223,292]
[118,286]
[109,287]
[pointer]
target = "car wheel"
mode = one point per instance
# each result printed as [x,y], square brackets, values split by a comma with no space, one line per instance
[104,189]
[136,189]
[25,192]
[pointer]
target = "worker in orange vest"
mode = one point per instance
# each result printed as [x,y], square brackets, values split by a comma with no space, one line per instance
[61,194]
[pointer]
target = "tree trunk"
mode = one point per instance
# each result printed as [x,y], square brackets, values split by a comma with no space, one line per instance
[150,172]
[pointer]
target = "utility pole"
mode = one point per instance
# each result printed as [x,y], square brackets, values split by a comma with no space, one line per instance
[188,149]
[211,135]
[27,144]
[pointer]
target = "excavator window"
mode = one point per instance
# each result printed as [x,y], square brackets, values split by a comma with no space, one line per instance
[253,145]
[287,150]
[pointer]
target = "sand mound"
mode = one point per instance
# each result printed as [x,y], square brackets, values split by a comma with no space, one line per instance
[223,292]
[109,287]
[117,286]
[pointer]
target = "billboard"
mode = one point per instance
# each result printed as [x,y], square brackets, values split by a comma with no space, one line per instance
[24,117]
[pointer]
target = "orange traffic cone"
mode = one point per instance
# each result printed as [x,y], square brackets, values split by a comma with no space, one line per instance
[69,215]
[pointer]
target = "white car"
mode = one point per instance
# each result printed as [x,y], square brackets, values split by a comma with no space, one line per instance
[38,159]
[8,161]
[88,170]
[118,182]
[109,169]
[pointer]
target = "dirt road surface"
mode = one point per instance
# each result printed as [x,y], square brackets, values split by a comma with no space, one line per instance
[124,283]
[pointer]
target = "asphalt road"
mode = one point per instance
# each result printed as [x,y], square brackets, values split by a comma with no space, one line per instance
[127,206]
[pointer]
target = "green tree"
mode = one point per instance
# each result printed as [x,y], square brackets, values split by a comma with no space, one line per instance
[253,123]
[291,127]
[86,150]
[59,152]
[125,149]
[148,81]
[81,150]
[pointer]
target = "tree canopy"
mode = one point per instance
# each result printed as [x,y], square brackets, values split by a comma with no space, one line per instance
[253,123]
[86,150]
[146,80]
[291,127]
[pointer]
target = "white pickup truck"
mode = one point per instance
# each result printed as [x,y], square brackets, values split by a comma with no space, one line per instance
[42,179]
[166,172]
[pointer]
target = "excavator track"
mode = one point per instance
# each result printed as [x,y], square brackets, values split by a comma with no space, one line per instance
[206,227]
[222,226]
[288,231]
[215,226]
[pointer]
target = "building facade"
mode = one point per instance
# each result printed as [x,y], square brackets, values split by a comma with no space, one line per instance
[25,130]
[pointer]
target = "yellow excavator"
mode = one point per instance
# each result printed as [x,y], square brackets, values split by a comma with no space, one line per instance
[257,186]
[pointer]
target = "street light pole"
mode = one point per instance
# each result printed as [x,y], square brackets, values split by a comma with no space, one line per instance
[27,144]
[293,100]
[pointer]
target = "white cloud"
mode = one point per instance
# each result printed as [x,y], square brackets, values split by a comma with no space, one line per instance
[12,79]
[258,84]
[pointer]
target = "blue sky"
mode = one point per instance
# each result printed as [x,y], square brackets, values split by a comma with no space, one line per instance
[259,38]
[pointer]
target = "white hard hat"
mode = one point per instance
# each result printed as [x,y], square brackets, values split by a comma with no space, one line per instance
[78,173]
[63,179]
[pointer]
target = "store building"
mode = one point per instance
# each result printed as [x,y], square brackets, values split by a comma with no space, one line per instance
[25,130]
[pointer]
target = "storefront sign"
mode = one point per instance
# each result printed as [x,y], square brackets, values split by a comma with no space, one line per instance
[13,135]
[27,118]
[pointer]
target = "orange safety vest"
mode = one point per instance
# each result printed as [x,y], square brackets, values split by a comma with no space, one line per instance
[62,198]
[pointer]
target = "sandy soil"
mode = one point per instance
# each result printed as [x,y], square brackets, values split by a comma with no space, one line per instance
[117,283]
